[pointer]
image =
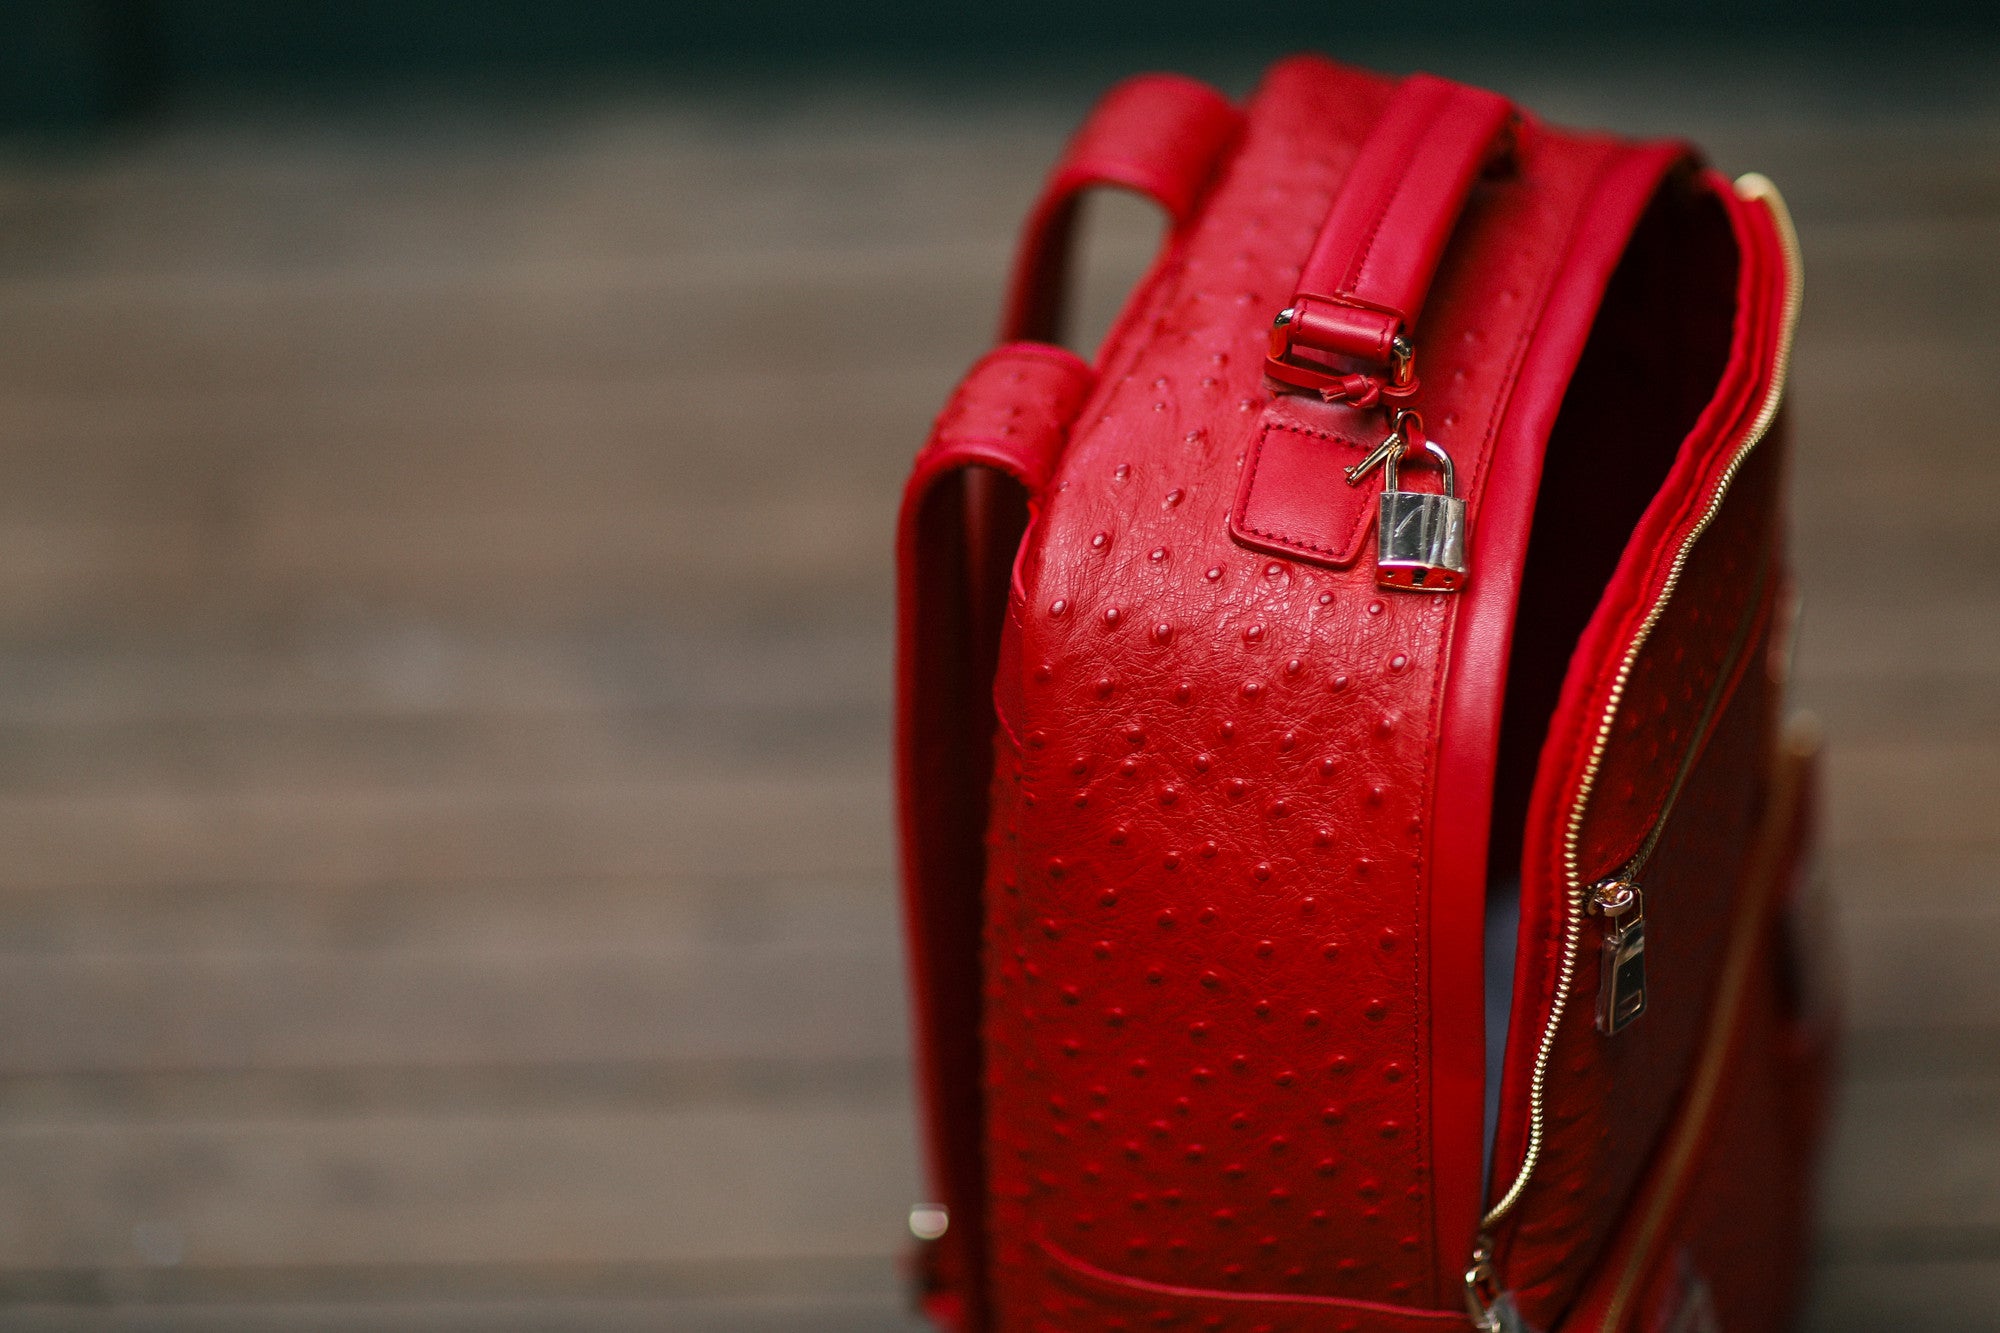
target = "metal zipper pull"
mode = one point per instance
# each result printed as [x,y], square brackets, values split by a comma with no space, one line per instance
[1490,1309]
[1621,986]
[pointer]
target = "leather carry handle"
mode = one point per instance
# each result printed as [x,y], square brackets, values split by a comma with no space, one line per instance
[1157,135]
[1362,288]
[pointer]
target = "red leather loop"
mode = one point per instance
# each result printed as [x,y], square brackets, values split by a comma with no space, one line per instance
[1363,285]
[1158,135]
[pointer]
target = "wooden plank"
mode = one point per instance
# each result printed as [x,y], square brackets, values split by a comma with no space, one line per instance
[1914,793]
[151,919]
[401,748]
[695,1186]
[633,178]
[1914,1170]
[566,321]
[358,667]
[1945,880]
[375,1008]
[1942,1296]
[1883,638]
[359,1313]
[539,972]
[1922,966]
[474,440]
[721,824]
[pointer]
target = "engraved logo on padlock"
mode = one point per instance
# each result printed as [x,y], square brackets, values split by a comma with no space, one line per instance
[1421,534]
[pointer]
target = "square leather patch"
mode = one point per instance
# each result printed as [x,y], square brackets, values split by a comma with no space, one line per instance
[1294,498]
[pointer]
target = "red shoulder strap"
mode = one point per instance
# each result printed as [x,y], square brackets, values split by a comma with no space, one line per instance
[964,510]
[966,506]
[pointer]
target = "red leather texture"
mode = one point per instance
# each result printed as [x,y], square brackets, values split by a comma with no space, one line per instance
[1070,1294]
[1199,822]
[1157,135]
[964,510]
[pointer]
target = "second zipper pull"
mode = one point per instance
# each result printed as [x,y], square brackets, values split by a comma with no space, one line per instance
[1621,986]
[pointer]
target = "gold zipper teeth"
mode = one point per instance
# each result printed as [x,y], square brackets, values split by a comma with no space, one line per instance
[1750,187]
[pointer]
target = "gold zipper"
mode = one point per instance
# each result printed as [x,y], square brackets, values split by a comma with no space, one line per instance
[1755,188]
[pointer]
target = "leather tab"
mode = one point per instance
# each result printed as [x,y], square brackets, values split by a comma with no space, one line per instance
[1294,499]
[1158,135]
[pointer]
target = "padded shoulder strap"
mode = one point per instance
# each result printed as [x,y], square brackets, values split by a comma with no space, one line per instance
[966,506]
[964,510]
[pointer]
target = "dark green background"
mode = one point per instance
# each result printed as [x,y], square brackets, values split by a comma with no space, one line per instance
[70,64]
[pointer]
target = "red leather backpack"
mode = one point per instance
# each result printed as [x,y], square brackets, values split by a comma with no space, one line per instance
[1354,861]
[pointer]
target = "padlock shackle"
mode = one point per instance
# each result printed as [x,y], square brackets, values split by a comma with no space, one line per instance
[1431,447]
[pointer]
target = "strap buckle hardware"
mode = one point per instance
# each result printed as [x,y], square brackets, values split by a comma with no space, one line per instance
[1293,358]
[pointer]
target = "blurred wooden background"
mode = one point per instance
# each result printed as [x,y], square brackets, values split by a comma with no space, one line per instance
[445,871]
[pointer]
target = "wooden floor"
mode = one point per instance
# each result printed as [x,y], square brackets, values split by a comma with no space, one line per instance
[445,876]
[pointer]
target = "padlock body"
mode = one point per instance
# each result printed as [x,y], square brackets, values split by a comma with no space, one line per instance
[1422,541]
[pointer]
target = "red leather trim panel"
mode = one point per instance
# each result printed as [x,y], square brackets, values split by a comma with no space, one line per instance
[1295,499]
[1475,688]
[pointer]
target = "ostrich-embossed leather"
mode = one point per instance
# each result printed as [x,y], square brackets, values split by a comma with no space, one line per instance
[1196,892]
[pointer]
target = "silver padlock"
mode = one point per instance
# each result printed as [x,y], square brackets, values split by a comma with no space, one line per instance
[1421,535]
